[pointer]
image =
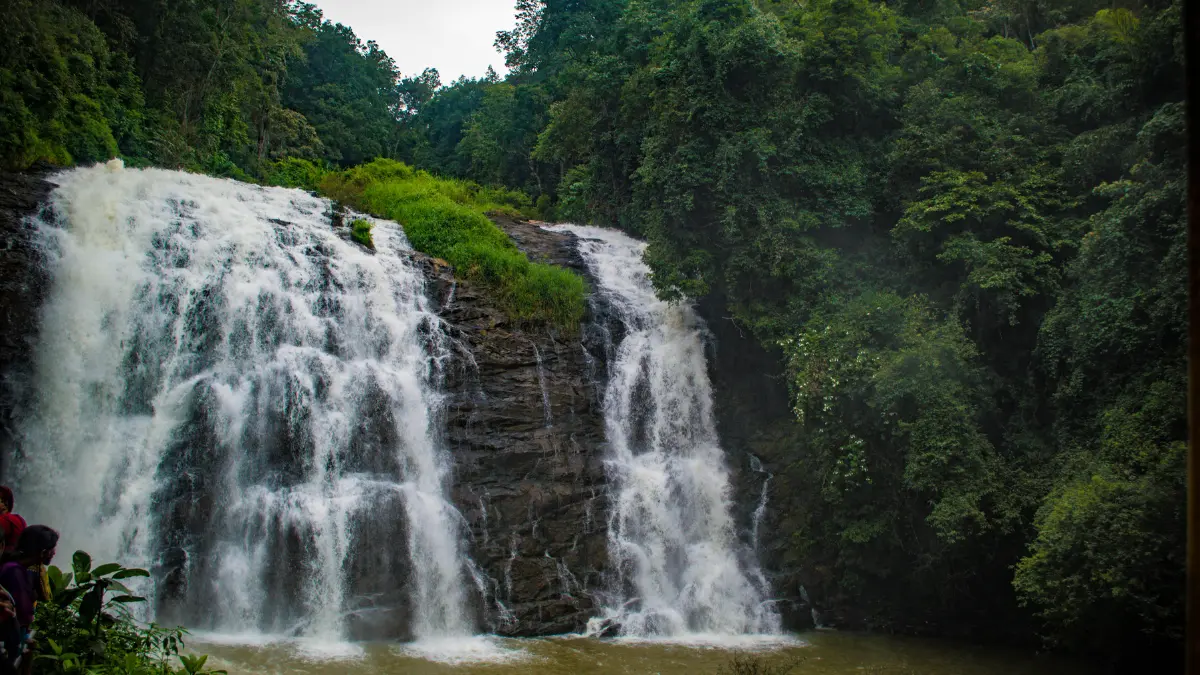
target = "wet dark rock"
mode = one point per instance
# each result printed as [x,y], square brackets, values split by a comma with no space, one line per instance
[539,245]
[754,418]
[797,614]
[23,286]
[381,583]
[172,589]
[525,427]
[607,629]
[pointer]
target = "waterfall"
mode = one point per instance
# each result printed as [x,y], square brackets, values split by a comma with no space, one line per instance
[237,397]
[679,569]
[761,510]
[547,416]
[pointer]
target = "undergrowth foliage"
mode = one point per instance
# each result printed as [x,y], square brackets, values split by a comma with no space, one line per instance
[86,627]
[445,219]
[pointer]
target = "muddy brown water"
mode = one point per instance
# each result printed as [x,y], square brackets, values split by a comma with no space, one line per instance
[818,653]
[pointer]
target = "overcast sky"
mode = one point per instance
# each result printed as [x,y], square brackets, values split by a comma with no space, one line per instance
[454,36]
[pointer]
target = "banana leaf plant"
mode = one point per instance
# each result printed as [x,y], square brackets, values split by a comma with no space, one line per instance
[90,586]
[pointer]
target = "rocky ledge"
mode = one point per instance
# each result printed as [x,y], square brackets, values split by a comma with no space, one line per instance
[23,285]
[525,427]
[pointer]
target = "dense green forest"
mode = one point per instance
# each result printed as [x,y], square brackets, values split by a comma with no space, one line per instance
[227,87]
[959,224]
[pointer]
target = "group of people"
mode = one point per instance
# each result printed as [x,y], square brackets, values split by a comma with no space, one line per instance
[28,549]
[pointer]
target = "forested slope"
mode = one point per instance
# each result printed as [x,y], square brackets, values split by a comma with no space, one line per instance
[959,225]
[225,87]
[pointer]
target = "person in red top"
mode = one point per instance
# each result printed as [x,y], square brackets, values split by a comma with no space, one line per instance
[36,549]
[11,525]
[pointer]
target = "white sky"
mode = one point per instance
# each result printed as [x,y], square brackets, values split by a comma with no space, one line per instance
[454,36]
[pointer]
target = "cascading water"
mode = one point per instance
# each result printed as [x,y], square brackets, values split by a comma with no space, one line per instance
[760,511]
[232,394]
[541,374]
[680,572]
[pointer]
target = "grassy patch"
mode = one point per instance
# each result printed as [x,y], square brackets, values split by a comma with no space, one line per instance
[360,231]
[444,218]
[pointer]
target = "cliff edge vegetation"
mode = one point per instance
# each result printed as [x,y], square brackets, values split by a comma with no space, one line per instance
[445,219]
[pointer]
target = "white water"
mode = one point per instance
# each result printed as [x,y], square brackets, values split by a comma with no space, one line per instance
[541,374]
[223,378]
[761,510]
[681,573]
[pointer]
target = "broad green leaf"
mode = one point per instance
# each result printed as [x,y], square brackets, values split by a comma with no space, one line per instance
[81,562]
[69,596]
[128,598]
[55,577]
[106,569]
[130,572]
[90,607]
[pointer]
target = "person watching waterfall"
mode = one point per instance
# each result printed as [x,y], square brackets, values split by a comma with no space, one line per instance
[12,643]
[21,575]
[11,524]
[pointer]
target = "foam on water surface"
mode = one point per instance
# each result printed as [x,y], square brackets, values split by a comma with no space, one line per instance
[478,649]
[821,653]
[303,649]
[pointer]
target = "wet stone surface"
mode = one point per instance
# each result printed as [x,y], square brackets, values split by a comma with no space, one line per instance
[525,427]
[23,285]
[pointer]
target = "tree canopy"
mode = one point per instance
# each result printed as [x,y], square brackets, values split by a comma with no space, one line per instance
[958,224]
[227,87]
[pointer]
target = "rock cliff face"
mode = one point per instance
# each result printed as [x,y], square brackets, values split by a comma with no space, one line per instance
[525,427]
[760,437]
[23,284]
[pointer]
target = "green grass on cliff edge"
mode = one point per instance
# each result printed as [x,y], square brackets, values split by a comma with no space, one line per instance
[445,219]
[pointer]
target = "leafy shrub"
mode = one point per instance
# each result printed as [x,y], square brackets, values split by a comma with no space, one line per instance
[1110,547]
[84,629]
[360,231]
[294,172]
[545,208]
[444,218]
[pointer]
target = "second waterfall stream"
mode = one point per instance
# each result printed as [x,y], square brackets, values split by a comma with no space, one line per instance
[679,569]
